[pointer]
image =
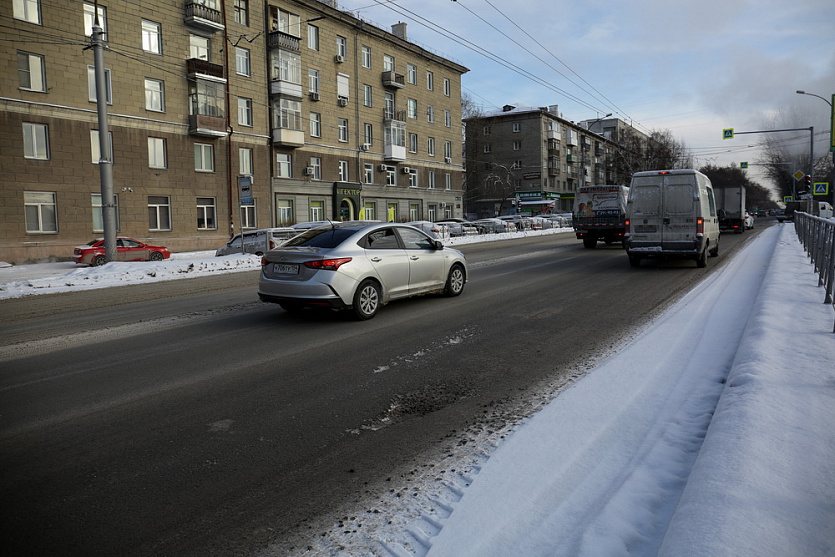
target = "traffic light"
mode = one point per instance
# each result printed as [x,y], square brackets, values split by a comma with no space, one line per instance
[808,181]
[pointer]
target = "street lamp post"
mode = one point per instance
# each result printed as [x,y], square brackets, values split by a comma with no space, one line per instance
[831,141]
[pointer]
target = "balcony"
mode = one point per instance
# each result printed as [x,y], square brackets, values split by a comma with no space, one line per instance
[203,17]
[280,39]
[395,153]
[203,69]
[394,80]
[554,135]
[207,126]
[286,137]
[285,88]
[391,114]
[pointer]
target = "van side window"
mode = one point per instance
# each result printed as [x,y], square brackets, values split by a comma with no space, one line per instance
[711,202]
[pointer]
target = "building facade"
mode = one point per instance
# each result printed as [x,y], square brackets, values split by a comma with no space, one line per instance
[223,115]
[531,160]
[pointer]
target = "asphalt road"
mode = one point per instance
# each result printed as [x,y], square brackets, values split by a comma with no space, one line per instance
[187,418]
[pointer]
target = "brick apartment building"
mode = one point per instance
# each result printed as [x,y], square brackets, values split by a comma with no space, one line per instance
[326,115]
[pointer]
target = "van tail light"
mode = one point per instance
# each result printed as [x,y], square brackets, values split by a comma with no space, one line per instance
[700,226]
[327,264]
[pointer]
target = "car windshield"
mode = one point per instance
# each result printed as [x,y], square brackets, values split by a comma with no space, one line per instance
[324,237]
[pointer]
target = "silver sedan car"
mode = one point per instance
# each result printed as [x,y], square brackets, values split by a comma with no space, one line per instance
[359,266]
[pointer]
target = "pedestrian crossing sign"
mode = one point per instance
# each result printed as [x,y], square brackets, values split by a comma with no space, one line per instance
[728,133]
[820,188]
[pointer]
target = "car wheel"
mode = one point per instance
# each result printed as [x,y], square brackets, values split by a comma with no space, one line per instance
[366,300]
[701,260]
[99,260]
[156,256]
[455,281]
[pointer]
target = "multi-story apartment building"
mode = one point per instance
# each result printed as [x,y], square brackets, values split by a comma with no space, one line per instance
[320,114]
[532,160]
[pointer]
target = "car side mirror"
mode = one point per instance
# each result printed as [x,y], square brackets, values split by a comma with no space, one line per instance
[438,244]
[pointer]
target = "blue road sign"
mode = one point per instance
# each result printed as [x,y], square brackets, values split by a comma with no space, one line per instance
[820,188]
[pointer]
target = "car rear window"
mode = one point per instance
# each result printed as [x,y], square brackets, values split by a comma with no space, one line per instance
[324,237]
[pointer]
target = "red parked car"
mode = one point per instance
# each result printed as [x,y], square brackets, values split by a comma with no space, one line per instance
[127,249]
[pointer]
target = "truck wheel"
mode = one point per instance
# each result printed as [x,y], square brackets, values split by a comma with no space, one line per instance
[701,260]
[589,242]
[634,260]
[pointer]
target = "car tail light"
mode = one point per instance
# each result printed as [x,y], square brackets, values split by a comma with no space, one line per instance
[700,226]
[327,264]
[264,262]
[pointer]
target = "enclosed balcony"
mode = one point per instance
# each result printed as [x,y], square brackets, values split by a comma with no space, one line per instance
[204,125]
[204,15]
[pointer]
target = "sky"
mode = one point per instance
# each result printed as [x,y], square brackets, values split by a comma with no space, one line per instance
[692,67]
[709,432]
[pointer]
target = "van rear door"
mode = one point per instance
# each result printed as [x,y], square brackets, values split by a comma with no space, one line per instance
[647,197]
[680,214]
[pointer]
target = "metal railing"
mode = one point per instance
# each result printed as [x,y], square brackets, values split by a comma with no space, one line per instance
[818,238]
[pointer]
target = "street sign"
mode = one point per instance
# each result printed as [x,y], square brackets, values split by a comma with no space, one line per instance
[728,133]
[820,188]
[743,165]
[787,199]
[245,184]
[798,175]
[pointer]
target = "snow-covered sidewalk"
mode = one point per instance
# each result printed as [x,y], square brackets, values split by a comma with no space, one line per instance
[712,433]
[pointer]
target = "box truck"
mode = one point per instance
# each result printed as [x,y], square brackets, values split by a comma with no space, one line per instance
[600,214]
[730,202]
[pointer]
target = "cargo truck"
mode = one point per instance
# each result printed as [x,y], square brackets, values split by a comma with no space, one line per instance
[600,214]
[730,204]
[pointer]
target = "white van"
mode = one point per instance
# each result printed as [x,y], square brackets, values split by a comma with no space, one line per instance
[258,242]
[671,213]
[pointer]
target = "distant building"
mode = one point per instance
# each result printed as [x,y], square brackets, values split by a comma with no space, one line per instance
[325,115]
[531,160]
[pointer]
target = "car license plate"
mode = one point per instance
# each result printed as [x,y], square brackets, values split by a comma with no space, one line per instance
[645,228]
[285,269]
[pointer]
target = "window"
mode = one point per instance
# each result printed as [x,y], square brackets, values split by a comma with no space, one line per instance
[27,10]
[517,145]
[395,133]
[447,118]
[30,71]
[156,153]
[206,212]
[283,165]
[487,130]
[343,86]
[391,175]
[315,124]
[516,165]
[366,95]
[341,46]
[98,216]
[285,22]
[287,114]
[488,147]
[343,171]
[413,141]
[389,112]
[413,178]
[249,218]
[313,80]
[430,81]
[366,56]
[95,146]
[368,173]
[159,212]
[448,149]
[151,37]
[91,84]
[241,8]
[411,108]
[448,181]
[242,64]
[430,114]
[430,147]
[41,211]
[414,211]
[204,160]
[369,211]
[35,141]
[244,111]
[245,161]
[89,19]
[286,65]
[207,98]
[517,127]
[343,130]
[284,212]
[431,179]
[388,63]
[368,134]
[316,164]
[317,210]
[199,47]
[312,37]
[154,95]
[447,87]
[411,74]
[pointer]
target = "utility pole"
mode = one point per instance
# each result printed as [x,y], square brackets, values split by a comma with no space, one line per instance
[108,208]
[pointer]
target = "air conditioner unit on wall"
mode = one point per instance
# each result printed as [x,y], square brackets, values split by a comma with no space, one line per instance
[365,146]
[342,101]
[405,170]
[308,171]
[314,96]
[447,160]
[382,168]
[339,59]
